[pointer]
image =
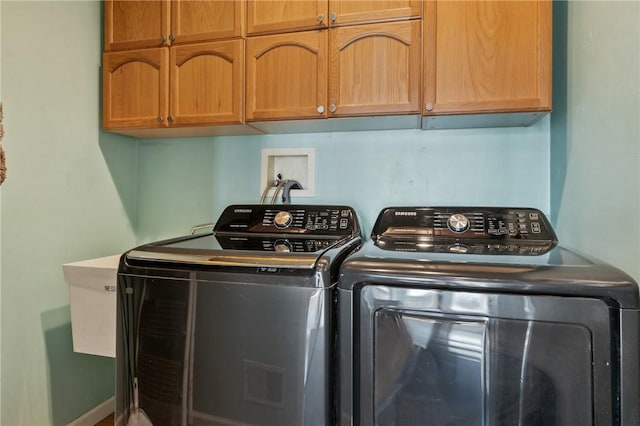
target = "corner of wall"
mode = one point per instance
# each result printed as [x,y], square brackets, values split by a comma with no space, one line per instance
[558,130]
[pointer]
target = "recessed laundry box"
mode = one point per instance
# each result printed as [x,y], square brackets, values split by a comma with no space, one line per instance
[92,296]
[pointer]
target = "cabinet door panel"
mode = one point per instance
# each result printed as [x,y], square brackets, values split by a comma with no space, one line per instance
[269,16]
[206,83]
[193,21]
[286,76]
[135,85]
[375,69]
[487,56]
[135,24]
[351,11]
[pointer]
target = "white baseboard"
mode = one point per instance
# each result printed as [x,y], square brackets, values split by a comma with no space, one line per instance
[93,416]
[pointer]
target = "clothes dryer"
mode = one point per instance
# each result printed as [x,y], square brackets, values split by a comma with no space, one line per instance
[472,316]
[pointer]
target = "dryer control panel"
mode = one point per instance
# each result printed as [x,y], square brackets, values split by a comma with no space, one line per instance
[477,230]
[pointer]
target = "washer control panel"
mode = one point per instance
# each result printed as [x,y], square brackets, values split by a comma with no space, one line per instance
[478,230]
[289,219]
[311,220]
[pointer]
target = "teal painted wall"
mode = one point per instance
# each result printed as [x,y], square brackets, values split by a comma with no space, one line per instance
[0,224]
[176,186]
[74,192]
[69,195]
[189,181]
[595,130]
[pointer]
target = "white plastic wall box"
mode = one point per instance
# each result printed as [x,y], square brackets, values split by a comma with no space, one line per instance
[92,296]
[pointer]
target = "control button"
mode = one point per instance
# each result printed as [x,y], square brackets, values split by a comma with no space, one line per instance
[344,213]
[535,227]
[283,219]
[533,216]
[458,248]
[458,223]
[344,223]
[282,246]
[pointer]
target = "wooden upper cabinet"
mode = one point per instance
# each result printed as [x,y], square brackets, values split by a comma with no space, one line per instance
[270,16]
[375,69]
[286,77]
[135,86]
[190,85]
[487,56]
[345,12]
[200,20]
[135,24]
[207,83]
[130,24]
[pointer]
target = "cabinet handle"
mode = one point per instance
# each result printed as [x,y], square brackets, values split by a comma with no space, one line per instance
[170,118]
[332,108]
[171,37]
[429,106]
[162,39]
[333,17]
[320,18]
[159,119]
[320,109]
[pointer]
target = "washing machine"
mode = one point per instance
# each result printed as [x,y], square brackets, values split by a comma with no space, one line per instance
[234,326]
[475,316]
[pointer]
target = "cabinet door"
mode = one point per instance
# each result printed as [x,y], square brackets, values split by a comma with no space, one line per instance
[287,76]
[351,11]
[132,24]
[200,20]
[269,16]
[375,69]
[207,83]
[135,86]
[487,56]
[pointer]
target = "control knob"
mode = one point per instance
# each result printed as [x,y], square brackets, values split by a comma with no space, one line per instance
[282,246]
[282,219]
[458,223]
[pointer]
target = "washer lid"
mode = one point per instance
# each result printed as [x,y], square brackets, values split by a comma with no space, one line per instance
[225,250]
[281,236]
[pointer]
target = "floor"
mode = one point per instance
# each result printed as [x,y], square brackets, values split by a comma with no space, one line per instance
[108,421]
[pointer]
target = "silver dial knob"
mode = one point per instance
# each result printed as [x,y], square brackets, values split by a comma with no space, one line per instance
[458,223]
[282,246]
[282,219]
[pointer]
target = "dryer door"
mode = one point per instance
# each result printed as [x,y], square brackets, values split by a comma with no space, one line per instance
[472,359]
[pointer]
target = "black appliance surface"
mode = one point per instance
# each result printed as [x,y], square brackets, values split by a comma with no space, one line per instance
[294,236]
[234,326]
[476,316]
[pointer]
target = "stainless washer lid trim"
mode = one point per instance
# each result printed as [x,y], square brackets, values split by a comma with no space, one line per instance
[244,259]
